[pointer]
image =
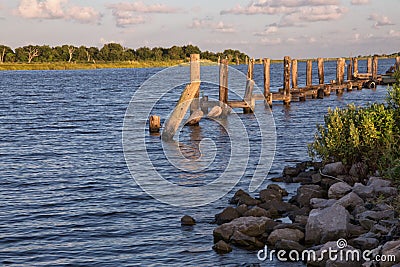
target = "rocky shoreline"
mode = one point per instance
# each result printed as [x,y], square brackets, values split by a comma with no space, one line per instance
[332,202]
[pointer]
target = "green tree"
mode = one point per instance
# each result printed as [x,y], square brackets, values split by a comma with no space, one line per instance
[6,54]
[143,53]
[176,53]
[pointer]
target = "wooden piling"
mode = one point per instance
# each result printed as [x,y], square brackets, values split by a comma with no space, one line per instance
[369,65]
[286,80]
[237,60]
[340,71]
[294,73]
[267,77]
[309,73]
[223,81]
[398,63]
[355,66]
[250,69]
[154,124]
[350,70]
[248,97]
[321,75]
[375,68]
[173,122]
[194,78]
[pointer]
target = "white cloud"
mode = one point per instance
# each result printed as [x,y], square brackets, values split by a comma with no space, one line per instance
[380,20]
[271,41]
[360,2]
[209,24]
[394,33]
[131,13]
[269,30]
[56,9]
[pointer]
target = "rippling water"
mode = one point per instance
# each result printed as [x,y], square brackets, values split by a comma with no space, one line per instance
[67,196]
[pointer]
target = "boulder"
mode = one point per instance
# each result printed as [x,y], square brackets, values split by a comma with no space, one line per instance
[251,226]
[269,194]
[339,190]
[289,245]
[334,169]
[363,191]
[378,182]
[301,219]
[279,189]
[316,178]
[248,200]
[355,230]
[287,234]
[278,205]
[322,257]
[256,212]
[227,215]
[242,209]
[391,248]
[386,191]
[376,215]
[238,195]
[243,240]
[364,243]
[321,203]
[291,171]
[327,224]
[222,247]
[306,192]
[187,221]
[350,201]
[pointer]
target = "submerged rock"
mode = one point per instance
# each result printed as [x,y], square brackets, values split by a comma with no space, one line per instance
[187,221]
[222,247]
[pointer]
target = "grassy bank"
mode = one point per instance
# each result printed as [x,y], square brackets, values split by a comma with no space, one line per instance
[84,66]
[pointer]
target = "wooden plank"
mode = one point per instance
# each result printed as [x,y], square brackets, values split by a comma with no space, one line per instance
[369,65]
[258,97]
[223,81]
[238,104]
[309,73]
[340,64]
[250,69]
[350,70]
[321,74]
[355,65]
[398,63]
[173,122]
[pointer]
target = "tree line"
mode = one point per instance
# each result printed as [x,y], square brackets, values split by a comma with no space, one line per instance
[111,52]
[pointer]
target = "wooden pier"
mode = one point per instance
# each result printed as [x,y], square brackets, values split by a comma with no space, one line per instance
[289,92]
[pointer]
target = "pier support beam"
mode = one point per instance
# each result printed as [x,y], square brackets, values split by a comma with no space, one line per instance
[321,74]
[398,63]
[223,81]
[294,74]
[355,65]
[248,97]
[154,124]
[267,79]
[340,71]
[369,66]
[250,70]
[286,80]
[309,73]
[195,77]
[350,70]
[375,68]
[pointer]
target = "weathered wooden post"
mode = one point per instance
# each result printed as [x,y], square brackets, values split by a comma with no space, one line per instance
[398,63]
[237,60]
[321,74]
[294,73]
[250,69]
[369,65]
[340,71]
[267,77]
[286,80]
[375,68]
[248,97]
[350,70]
[355,66]
[223,81]
[195,77]
[154,124]
[203,104]
[309,73]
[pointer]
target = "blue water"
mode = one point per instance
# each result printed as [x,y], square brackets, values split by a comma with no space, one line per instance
[67,196]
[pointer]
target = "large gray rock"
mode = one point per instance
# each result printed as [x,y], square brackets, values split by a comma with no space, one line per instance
[270,194]
[339,190]
[391,248]
[227,215]
[327,224]
[250,226]
[378,182]
[287,234]
[364,243]
[187,221]
[257,212]
[350,201]
[363,191]
[242,240]
[306,192]
[321,203]
[334,169]
[289,245]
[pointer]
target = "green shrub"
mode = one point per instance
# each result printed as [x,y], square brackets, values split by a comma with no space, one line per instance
[362,134]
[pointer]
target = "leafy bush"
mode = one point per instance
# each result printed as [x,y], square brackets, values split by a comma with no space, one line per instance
[363,134]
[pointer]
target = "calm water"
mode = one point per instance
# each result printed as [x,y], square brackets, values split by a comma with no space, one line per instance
[67,196]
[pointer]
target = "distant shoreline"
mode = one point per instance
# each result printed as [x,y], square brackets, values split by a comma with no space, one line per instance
[6,66]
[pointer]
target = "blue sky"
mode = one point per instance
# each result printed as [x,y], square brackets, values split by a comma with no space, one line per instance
[261,28]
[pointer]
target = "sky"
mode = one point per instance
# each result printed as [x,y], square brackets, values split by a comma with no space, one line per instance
[260,28]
